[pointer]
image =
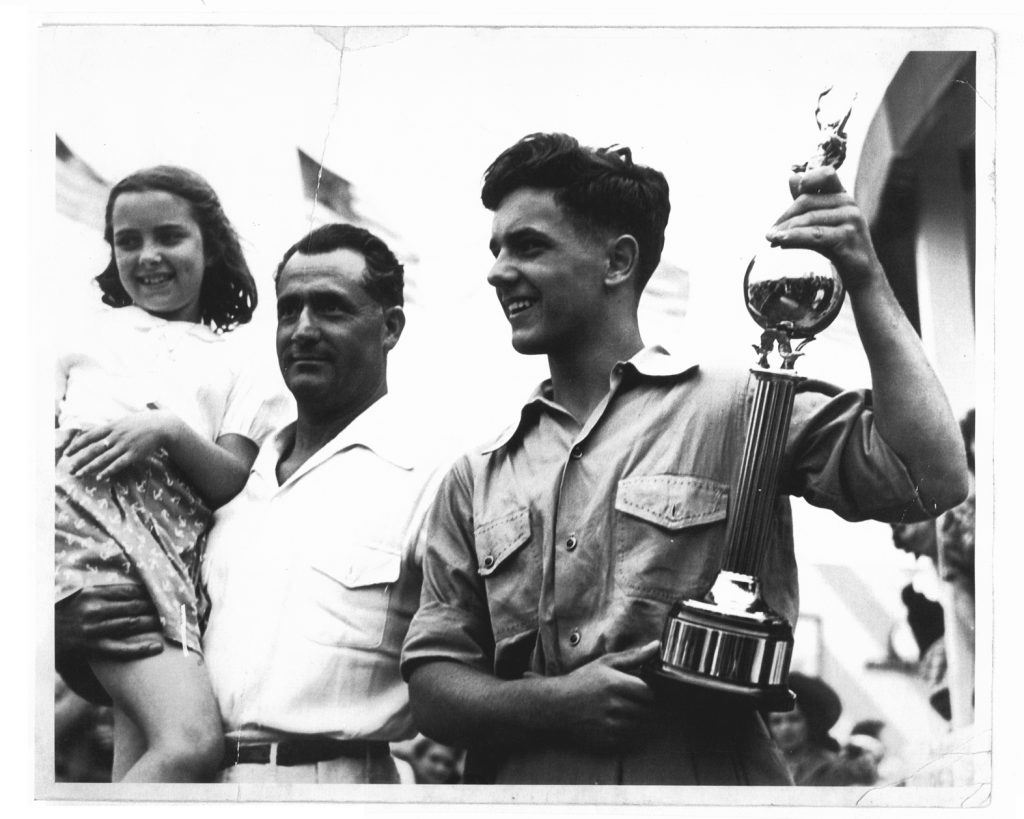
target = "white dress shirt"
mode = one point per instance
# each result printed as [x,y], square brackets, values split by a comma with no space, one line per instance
[313,583]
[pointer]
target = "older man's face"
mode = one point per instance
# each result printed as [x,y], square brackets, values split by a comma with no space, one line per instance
[332,336]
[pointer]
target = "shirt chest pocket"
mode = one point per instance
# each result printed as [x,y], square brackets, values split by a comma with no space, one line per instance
[509,563]
[347,596]
[669,534]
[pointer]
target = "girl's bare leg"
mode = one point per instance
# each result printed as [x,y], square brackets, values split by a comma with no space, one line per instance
[171,708]
[129,744]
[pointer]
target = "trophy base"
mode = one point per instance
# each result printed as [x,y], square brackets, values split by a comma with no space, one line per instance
[699,687]
[728,645]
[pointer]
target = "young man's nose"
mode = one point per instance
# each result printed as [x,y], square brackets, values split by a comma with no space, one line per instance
[501,272]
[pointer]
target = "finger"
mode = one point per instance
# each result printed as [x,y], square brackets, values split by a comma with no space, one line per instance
[118,592]
[124,627]
[633,692]
[633,657]
[825,203]
[839,215]
[821,238]
[93,460]
[817,181]
[120,463]
[127,649]
[94,456]
[86,438]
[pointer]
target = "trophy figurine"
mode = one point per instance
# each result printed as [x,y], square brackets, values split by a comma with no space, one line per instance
[730,642]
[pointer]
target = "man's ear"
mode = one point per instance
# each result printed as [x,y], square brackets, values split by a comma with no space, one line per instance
[394,323]
[623,259]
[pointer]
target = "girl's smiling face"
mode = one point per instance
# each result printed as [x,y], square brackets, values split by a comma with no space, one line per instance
[158,249]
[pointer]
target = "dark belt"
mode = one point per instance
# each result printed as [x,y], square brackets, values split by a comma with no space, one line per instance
[300,751]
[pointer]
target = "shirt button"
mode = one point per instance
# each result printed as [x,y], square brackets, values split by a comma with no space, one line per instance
[574,638]
[576,453]
[570,544]
[488,561]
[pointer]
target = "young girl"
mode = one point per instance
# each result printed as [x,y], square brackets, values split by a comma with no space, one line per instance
[156,426]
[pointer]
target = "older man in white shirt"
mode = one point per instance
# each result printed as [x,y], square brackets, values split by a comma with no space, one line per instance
[313,582]
[313,570]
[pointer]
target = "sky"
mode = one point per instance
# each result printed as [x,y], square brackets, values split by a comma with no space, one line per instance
[412,115]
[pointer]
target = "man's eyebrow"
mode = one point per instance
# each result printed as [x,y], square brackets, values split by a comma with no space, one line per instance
[320,297]
[517,235]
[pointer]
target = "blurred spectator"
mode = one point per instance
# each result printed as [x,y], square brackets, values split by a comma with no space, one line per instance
[812,755]
[422,761]
[436,764]
[83,738]
[947,664]
[927,625]
[866,737]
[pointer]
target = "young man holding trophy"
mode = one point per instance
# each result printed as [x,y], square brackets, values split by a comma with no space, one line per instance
[557,554]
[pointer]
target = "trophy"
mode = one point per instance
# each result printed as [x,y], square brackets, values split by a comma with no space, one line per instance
[730,642]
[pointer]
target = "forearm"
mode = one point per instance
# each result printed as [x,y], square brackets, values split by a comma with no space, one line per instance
[464,707]
[218,470]
[912,413]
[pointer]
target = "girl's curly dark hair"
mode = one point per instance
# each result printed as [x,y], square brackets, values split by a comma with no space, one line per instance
[227,296]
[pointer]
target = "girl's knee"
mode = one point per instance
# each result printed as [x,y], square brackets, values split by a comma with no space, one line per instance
[194,751]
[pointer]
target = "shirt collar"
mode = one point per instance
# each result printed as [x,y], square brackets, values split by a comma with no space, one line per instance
[139,319]
[380,428]
[650,362]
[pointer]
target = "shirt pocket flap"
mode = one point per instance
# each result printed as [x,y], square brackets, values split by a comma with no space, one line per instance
[363,566]
[673,501]
[496,540]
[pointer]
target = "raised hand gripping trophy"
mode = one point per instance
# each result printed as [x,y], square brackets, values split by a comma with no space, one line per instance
[731,642]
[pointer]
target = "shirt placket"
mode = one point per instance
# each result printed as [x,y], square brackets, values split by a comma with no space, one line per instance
[280,594]
[575,553]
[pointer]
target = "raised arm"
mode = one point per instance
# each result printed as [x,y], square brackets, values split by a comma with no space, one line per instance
[912,413]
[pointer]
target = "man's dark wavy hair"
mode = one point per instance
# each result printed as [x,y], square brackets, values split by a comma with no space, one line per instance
[227,296]
[599,188]
[384,278]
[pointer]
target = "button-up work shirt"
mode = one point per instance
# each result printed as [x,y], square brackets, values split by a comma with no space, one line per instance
[313,583]
[560,543]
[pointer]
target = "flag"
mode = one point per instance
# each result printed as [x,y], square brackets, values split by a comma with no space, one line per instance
[327,188]
[81,192]
[337,195]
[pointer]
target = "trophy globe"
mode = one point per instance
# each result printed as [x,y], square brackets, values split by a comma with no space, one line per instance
[792,294]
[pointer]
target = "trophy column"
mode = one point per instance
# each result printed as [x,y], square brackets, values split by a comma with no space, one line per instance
[731,642]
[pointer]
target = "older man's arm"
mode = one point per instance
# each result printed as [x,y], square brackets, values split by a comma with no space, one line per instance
[116,622]
[912,412]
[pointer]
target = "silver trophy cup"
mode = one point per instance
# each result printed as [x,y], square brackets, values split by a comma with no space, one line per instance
[730,642]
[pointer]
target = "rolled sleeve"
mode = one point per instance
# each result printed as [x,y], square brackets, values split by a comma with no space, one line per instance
[452,622]
[839,461]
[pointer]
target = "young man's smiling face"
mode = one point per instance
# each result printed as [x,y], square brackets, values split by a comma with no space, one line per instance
[548,274]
